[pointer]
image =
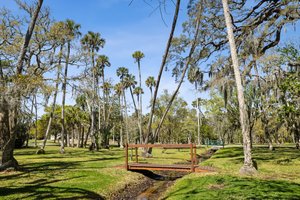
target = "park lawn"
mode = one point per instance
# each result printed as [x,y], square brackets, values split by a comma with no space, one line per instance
[278,177]
[77,174]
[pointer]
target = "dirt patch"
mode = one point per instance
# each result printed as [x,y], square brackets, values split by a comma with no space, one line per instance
[131,191]
[215,186]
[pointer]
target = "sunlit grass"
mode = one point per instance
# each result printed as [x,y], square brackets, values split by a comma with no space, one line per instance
[76,174]
[278,177]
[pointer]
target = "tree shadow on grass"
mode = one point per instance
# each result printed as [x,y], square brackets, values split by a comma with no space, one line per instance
[46,167]
[229,153]
[61,165]
[229,187]
[41,189]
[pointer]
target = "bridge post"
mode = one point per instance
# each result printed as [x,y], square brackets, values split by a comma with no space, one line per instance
[126,156]
[192,158]
[195,154]
[136,155]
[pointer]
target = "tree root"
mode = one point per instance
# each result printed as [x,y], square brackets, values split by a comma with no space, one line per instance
[248,170]
[11,164]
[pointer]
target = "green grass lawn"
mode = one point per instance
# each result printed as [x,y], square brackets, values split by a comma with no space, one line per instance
[278,177]
[77,174]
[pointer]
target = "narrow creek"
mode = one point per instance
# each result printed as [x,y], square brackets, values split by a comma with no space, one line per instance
[161,181]
[155,183]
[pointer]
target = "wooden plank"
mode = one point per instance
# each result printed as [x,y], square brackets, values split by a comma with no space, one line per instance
[145,165]
[159,169]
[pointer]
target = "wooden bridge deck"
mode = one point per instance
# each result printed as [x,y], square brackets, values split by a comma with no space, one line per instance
[174,167]
[192,167]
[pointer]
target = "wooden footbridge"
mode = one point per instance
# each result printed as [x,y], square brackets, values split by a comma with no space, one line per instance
[191,166]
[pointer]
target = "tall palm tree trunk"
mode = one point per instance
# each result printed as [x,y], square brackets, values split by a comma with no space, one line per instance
[140,116]
[93,112]
[248,163]
[64,89]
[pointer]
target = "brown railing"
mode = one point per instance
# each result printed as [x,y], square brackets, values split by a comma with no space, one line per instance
[137,165]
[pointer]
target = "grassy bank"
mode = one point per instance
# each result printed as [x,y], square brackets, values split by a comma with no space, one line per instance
[78,174]
[278,177]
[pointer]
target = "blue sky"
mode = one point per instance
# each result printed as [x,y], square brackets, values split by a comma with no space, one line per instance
[127,29]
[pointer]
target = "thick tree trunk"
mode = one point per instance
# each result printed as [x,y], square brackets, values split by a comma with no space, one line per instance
[86,137]
[82,137]
[248,167]
[7,158]
[7,138]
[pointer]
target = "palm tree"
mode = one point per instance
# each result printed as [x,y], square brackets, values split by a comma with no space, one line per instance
[72,31]
[130,83]
[150,83]
[101,62]
[138,55]
[122,72]
[248,163]
[138,91]
[92,42]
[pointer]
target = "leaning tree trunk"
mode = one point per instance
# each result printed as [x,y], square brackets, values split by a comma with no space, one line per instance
[248,167]
[162,66]
[187,64]
[42,150]
[9,133]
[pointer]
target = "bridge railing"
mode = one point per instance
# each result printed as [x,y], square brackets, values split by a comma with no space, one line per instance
[192,147]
